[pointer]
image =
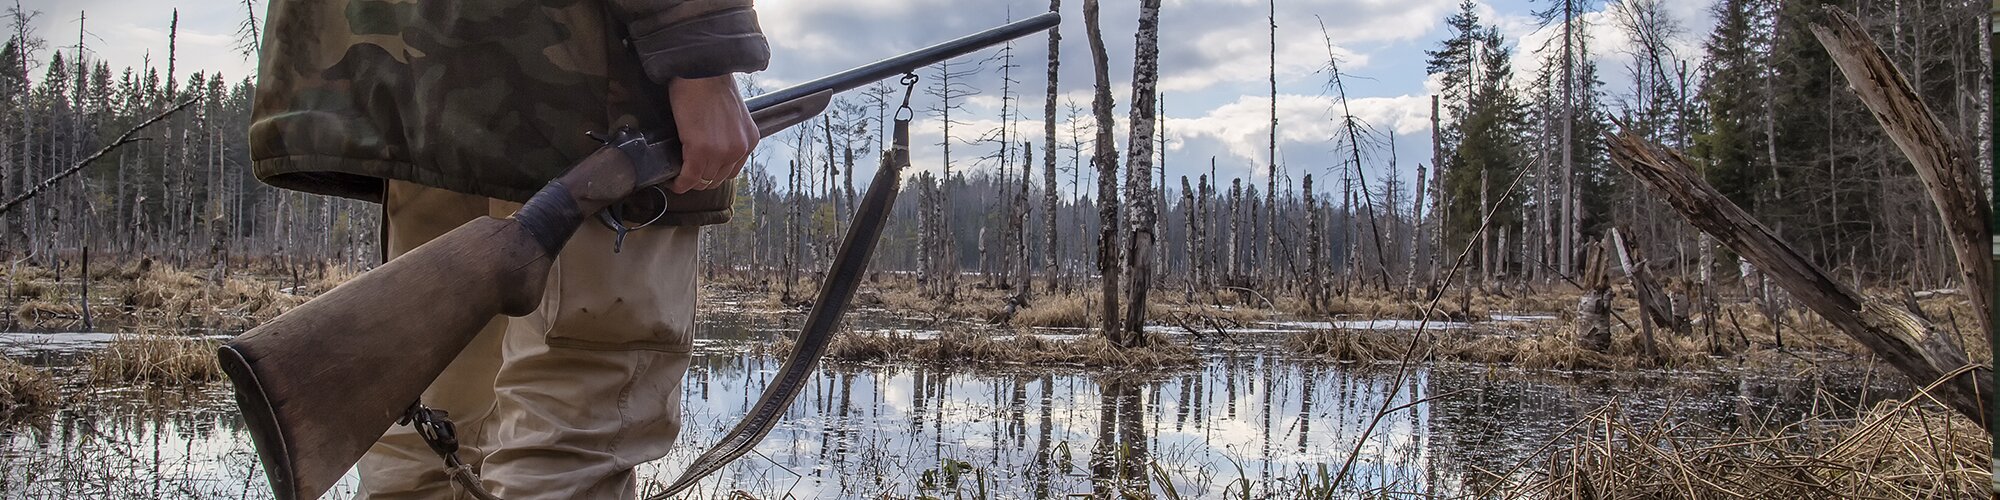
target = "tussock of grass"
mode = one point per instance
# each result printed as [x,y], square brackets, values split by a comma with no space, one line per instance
[1062,311]
[159,359]
[1892,451]
[24,390]
[960,346]
[45,313]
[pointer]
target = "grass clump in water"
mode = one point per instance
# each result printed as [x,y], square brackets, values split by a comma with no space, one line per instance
[24,390]
[1061,311]
[157,359]
[963,346]
[1556,349]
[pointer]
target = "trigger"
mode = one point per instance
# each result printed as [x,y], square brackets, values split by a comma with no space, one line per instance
[616,226]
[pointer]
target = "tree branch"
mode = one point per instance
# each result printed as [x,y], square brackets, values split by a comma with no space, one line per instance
[122,140]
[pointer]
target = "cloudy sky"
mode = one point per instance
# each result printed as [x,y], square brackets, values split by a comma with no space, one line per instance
[1213,63]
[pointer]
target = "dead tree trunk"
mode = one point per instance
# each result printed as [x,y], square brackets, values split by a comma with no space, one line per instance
[1139,171]
[1315,240]
[1049,152]
[1193,240]
[1905,341]
[1941,159]
[1417,218]
[1104,156]
[1024,281]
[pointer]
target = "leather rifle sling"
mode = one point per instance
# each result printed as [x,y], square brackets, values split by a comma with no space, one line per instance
[834,294]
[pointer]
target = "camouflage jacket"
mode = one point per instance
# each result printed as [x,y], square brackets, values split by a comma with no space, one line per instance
[487,97]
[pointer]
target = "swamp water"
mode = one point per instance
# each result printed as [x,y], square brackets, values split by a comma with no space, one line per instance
[1248,415]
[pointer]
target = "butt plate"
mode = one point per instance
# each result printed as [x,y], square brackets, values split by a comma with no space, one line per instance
[272,449]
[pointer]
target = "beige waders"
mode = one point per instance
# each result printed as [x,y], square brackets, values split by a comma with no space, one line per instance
[562,403]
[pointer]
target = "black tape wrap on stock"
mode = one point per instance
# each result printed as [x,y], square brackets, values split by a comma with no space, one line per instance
[551,216]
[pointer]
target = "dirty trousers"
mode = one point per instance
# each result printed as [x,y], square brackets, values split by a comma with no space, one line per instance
[561,403]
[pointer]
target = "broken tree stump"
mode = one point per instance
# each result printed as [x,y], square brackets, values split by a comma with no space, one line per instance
[1594,309]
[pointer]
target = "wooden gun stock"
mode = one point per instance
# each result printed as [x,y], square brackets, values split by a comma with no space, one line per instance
[319,383]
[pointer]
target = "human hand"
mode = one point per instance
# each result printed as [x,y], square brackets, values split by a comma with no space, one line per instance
[716,131]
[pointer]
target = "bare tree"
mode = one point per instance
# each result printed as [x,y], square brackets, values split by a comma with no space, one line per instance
[950,96]
[1139,171]
[1049,154]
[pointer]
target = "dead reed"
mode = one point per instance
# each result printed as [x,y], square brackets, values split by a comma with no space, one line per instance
[155,359]
[1892,451]
[148,296]
[25,390]
[1061,311]
[959,346]
[1554,349]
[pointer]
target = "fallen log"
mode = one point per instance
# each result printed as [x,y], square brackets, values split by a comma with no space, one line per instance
[1941,158]
[1913,346]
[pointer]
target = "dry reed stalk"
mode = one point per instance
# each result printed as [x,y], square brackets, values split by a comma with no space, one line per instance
[155,358]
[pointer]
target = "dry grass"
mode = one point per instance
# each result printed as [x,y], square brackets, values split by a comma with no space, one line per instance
[1047,309]
[43,314]
[157,359]
[1061,311]
[1555,349]
[25,390]
[1893,451]
[156,296]
[968,347]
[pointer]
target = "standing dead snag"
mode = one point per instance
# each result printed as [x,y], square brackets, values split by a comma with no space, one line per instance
[1941,158]
[1104,156]
[1594,309]
[1912,345]
[1138,173]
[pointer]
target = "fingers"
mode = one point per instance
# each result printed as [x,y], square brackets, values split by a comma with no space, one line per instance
[716,132]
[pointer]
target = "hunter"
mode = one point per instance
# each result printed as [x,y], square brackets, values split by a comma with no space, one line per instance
[447,110]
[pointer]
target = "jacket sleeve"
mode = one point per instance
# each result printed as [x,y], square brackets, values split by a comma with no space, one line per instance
[694,38]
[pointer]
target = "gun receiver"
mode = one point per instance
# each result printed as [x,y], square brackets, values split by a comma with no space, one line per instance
[320,383]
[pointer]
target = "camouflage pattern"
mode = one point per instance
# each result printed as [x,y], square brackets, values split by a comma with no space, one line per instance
[490,98]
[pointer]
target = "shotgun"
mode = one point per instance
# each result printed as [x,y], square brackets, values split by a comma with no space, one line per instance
[320,383]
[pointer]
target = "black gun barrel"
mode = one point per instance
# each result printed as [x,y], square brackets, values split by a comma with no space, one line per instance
[853,78]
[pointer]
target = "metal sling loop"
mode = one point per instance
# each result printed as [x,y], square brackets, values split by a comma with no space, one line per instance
[435,427]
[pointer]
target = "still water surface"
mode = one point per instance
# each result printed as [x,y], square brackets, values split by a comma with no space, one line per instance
[1245,416]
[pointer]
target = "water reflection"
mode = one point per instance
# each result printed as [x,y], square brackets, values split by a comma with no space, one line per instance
[1240,420]
[1266,422]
